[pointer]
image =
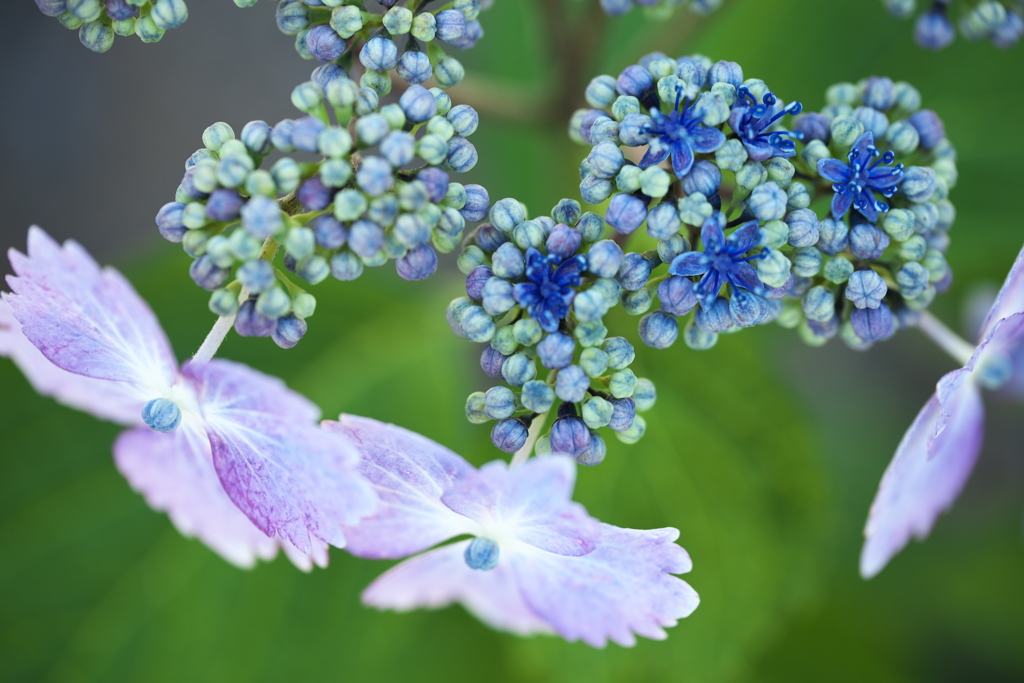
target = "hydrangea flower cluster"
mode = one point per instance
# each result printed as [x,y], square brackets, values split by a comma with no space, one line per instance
[875,257]
[379,190]
[999,21]
[537,291]
[404,39]
[99,21]
[686,145]
[658,9]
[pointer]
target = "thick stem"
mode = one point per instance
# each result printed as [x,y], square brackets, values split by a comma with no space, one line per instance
[947,340]
[536,427]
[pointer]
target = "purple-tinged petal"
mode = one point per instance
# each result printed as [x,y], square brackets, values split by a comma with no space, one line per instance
[834,171]
[690,263]
[410,473]
[622,589]
[531,503]
[440,577]
[926,475]
[546,317]
[705,139]
[867,205]
[862,147]
[115,401]
[1010,299]
[570,272]
[708,288]
[657,152]
[174,472]
[882,177]
[744,239]
[744,275]
[682,159]
[526,294]
[759,149]
[291,478]
[712,235]
[841,204]
[536,264]
[86,320]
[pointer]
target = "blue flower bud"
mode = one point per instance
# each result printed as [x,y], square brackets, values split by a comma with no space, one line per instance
[482,553]
[491,360]
[806,262]
[500,403]
[207,274]
[868,242]
[449,72]
[625,213]
[161,415]
[529,234]
[919,183]
[601,92]
[929,127]
[590,226]
[417,103]
[636,81]
[676,295]
[605,160]
[872,324]
[509,436]
[814,126]
[289,331]
[365,238]
[726,72]
[571,384]
[715,318]
[704,178]
[418,263]
[595,454]
[594,190]
[251,323]
[597,412]
[556,350]
[874,121]
[537,396]
[663,221]
[52,8]
[634,272]
[731,156]
[506,214]
[594,362]
[866,289]
[518,369]
[379,54]
[563,241]
[837,270]
[767,202]
[748,309]
[622,383]
[398,20]
[462,155]
[497,296]
[449,25]
[833,236]
[803,228]
[570,436]
[659,330]
[475,408]
[477,325]
[634,129]
[819,304]
[624,412]
[324,44]
[477,204]
[620,352]
[698,338]
[169,222]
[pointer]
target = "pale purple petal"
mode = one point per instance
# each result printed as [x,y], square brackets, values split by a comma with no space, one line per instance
[114,401]
[531,503]
[409,473]
[705,139]
[927,473]
[86,320]
[291,478]
[440,577]
[1010,299]
[622,589]
[174,472]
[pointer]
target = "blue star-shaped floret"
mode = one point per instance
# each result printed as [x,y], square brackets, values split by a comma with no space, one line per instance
[751,122]
[679,133]
[856,183]
[551,287]
[723,260]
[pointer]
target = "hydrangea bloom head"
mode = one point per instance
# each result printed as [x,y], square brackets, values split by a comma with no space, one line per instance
[537,562]
[234,457]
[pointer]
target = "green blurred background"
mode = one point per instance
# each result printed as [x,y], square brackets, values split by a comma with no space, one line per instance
[763,452]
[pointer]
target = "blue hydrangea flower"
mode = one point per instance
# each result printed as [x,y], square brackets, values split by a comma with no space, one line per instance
[855,184]
[679,134]
[724,260]
[551,287]
[753,123]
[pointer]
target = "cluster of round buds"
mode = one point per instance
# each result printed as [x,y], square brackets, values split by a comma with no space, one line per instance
[999,21]
[378,189]
[98,21]
[537,291]
[692,149]
[659,9]
[875,254]
[394,38]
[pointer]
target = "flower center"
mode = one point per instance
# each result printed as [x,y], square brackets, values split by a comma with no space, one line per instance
[482,554]
[161,415]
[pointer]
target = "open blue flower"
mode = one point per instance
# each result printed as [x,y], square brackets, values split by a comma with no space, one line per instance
[751,122]
[550,290]
[723,260]
[856,183]
[679,133]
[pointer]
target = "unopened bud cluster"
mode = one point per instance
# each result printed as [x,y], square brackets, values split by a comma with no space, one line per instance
[537,291]
[659,9]
[376,189]
[99,21]
[998,21]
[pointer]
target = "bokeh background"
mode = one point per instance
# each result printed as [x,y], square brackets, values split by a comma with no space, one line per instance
[763,452]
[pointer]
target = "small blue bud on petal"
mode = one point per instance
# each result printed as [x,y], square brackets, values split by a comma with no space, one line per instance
[482,553]
[161,415]
[570,436]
